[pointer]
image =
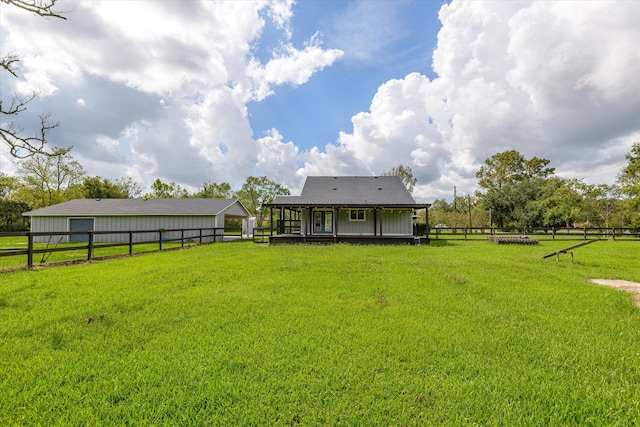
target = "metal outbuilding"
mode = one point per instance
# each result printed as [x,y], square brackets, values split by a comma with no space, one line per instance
[133,215]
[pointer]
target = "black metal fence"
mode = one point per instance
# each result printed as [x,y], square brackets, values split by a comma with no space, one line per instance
[86,241]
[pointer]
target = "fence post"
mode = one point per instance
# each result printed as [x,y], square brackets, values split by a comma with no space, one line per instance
[613,233]
[182,238]
[160,238]
[130,242]
[90,246]
[465,233]
[200,236]
[584,229]
[553,233]
[30,250]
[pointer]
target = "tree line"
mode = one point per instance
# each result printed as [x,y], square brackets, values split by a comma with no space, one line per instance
[523,193]
[513,192]
[48,179]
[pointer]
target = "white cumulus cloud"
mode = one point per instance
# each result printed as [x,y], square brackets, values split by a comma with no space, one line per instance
[557,80]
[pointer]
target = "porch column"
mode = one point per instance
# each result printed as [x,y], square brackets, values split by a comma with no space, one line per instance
[426,218]
[375,222]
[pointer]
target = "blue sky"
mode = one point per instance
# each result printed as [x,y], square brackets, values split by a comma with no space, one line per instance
[314,113]
[215,91]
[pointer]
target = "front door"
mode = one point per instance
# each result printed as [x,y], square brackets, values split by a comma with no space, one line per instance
[322,222]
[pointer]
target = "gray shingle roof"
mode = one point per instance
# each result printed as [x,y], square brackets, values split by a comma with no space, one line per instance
[126,207]
[378,191]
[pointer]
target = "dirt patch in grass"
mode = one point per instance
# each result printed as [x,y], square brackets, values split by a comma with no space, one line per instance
[624,285]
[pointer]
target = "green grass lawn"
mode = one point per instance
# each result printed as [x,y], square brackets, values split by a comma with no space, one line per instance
[100,250]
[454,333]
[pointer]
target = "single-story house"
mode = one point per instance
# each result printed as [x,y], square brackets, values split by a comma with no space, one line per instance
[98,215]
[355,209]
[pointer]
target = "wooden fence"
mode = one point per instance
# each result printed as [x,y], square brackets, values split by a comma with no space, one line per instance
[261,235]
[540,233]
[89,244]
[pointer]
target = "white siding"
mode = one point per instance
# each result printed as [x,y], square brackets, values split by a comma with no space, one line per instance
[397,223]
[357,228]
[235,210]
[49,224]
[394,223]
[129,223]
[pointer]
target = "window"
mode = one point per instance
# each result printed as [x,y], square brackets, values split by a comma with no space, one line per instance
[356,215]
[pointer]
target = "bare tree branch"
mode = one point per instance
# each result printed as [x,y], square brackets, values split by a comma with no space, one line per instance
[21,146]
[24,146]
[17,104]
[9,61]
[39,7]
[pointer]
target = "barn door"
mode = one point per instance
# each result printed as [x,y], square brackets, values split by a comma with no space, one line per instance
[80,224]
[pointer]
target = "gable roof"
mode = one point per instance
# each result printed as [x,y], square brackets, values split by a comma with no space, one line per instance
[129,207]
[345,191]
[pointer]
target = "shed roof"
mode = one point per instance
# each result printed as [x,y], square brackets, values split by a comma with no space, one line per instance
[131,207]
[365,191]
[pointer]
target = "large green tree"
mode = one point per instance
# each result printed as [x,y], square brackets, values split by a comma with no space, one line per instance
[629,177]
[629,184]
[406,175]
[258,191]
[601,205]
[96,187]
[510,182]
[47,180]
[11,218]
[511,167]
[561,202]
[162,190]
[215,190]
[8,184]
[11,211]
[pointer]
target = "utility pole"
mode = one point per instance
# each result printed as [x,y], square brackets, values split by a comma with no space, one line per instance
[455,208]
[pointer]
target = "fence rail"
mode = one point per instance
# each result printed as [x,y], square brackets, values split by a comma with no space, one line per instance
[541,233]
[261,235]
[88,243]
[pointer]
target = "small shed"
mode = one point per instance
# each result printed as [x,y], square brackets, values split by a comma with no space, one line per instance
[83,215]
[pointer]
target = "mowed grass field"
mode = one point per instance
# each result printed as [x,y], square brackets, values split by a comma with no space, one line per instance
[454,333]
